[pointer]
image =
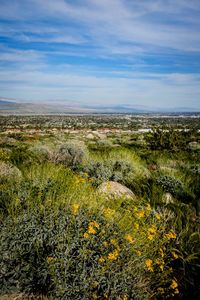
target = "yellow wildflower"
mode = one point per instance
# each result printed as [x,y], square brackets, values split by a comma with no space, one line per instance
[91,230]
[176,291]
[170,235]
[138,252]
[114,242]
[94,223]
[86,235]
[148,263]
[74,208]
[174,284]
[101,259]
[162,252]
[152,229]
[161,267]
[150,237]
[50,259]
[174,255]
[136,225]
[123,297]
[151,232]
[160,290]
[158,217]
[113,255]
[140,214]
[129,238]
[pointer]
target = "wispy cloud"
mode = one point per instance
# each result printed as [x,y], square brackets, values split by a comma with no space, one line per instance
[109,50]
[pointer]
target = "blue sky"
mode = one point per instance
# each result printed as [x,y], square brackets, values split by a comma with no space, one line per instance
[104,52]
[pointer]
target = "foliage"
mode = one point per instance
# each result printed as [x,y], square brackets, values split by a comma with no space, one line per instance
[70,154]
[120,171]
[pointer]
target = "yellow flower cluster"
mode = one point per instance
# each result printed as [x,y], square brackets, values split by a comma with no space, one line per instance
[113,255]
[92,229]
[94,224]
[50,259]
[158,217]
[140,214]
[160,263]
[148,263]
[129,238]
[124,297]
[151,232]
[114,242]
[86,235]
[170,235]
[138,252]
[101,259]
[174,284]
[161,290]
[175,255]
[74,208]
[162,254]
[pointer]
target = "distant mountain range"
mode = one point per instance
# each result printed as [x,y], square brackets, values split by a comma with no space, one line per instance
[14,107]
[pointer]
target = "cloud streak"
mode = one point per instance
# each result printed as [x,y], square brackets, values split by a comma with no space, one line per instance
[109,50]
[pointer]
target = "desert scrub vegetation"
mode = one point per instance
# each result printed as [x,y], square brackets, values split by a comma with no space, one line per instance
[62,238]
[66,251]
[65,241]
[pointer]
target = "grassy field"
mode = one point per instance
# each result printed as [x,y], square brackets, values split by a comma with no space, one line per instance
[63,238]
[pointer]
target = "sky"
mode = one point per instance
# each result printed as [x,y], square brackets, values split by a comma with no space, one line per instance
[101,52]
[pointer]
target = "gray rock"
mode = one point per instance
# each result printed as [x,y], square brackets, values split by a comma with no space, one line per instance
[115,189]
[167,198]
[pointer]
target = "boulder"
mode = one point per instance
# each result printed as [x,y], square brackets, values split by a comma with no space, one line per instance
[115,189]
[90,136]
[167,198]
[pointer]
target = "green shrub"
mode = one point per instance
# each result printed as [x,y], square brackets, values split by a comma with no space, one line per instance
[41,153]
[8,172]
[71,155]
[68,255]
[169,184]
[116,170]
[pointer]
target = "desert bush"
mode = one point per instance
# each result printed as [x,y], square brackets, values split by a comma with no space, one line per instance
[71,155]
[41,153]
[169,184]
[116,170]
[71,255]
[8,172]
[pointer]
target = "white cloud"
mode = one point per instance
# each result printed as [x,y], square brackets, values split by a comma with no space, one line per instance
[70,84]
[124,32]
